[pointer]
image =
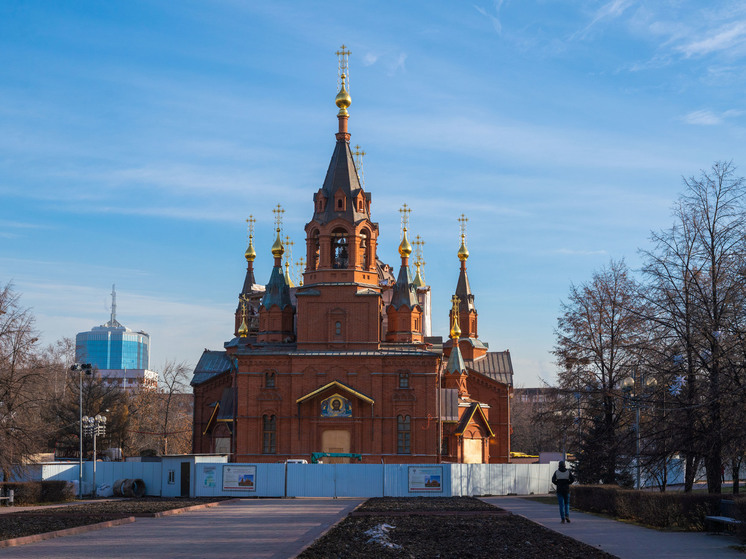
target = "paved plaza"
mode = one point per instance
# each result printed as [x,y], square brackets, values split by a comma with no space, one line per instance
[281,528]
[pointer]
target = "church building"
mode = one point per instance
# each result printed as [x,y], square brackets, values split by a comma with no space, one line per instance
[346,363]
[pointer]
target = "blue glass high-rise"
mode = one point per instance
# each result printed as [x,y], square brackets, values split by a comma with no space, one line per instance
[113,346]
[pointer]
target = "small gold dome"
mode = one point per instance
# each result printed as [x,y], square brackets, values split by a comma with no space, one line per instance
[243,330]
[405,249]
[343,99]
[288,279]
[455,328]
[418,281]
[277,249]
[250,253]
[463,252]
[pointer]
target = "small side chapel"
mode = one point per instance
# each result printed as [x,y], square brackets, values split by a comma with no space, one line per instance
[346,361]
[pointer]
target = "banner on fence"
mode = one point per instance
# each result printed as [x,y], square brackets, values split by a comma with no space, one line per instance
[239,477]
[426,478]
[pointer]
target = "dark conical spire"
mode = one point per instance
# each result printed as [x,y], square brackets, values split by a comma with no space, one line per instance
[463,291]
[278,291]
[404,292]
[341,189]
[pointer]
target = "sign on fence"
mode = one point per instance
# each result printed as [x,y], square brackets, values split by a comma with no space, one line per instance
[426,478]
[239,477]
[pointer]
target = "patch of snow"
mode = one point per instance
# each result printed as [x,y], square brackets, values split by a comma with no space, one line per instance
[380,535]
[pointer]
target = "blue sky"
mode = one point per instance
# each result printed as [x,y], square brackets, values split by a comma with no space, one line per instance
[138,136]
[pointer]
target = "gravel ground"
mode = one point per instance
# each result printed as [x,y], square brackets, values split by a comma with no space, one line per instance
[457,528]
[41,520]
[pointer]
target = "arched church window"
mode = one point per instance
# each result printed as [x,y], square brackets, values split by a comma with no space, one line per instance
[337,328]
[269,434]
[339,204]
[403,379]
[364,249]
[403,431]
[315,250]
[269,379]
[340,254]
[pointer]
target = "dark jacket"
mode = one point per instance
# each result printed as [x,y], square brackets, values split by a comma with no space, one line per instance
[563,478]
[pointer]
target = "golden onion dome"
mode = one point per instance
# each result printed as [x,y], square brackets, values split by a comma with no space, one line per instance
[250,253]
[455,328]
[288,279]
[277,249]
[463,252]
[243,330]
[418,281]
[343,99]
[405,249]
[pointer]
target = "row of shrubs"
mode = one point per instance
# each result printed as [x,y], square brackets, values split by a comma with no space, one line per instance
[670,510]
[34,492]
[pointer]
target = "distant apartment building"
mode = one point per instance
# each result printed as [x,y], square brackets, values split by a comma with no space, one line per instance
[120,354]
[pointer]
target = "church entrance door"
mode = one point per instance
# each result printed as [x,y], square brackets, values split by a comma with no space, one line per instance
[337,440]
[473,451]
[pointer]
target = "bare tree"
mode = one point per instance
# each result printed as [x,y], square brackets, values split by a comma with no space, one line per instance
[162,419]
[599,334]
[21,431]
[696,299]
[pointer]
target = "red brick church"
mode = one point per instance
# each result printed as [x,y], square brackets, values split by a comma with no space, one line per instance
[345,362]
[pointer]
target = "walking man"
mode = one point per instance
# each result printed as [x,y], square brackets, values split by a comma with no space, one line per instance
[562,478]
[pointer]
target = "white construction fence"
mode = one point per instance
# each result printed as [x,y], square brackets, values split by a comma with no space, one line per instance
[191,476]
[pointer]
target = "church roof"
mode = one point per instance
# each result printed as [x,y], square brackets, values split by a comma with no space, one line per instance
[335,384]
[475,410]
[249,281]
[404,293]
[463,291]
[211,364]
[341,175]
[496,365]
[456,361]
[278,292]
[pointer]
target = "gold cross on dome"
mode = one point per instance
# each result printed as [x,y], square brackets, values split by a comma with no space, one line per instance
[456,301]
[405,211]
[462,225]
[278,211]
[418,244]
[288,249]
[359,154]
[343,54]
[301,267]
[250,227]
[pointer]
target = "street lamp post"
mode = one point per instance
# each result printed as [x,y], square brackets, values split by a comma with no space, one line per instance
[635,399]
[94,427]
[80,367]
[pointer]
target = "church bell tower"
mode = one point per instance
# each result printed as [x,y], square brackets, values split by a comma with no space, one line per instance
[339,304]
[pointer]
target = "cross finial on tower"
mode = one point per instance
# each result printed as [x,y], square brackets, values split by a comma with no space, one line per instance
[288,249]
[250,227]
[359,154]
[418,255]
[404,211]
[278,211]
[343,67]
[301,266]
[455,328]
[243,330]
[462,225]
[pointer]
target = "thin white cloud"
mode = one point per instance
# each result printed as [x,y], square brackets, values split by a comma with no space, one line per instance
[724,38]
[22,225]
[398,64]
[575,252]
[706,117]
[610,10]
[494,19]
[369,59]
